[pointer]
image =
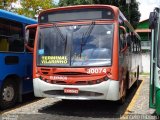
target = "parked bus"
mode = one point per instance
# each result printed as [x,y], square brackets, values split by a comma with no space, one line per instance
[154,24]
[16,63]
[85,53]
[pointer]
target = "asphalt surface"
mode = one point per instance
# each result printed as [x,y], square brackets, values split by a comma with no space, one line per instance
[135,107]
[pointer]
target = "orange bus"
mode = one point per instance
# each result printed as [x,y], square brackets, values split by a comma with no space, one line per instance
[85,52]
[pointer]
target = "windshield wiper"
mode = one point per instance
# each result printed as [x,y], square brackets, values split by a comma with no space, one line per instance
[62,37]
[87,35]
[65,44]
[60,33]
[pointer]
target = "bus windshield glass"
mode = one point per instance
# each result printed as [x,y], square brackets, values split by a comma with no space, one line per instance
[75,45]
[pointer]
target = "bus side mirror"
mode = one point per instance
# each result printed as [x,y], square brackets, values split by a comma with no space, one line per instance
[27,35]
[152,20]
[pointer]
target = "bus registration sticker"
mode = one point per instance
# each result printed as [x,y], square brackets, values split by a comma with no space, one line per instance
[71,90]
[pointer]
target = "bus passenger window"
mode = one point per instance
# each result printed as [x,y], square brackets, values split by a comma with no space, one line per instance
[16,45]
[4,45]
[11,36]
[133,42]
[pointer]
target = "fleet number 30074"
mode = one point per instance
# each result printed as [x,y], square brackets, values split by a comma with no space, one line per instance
[96,70]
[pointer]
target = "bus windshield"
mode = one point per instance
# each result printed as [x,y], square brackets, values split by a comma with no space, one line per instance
[75,45]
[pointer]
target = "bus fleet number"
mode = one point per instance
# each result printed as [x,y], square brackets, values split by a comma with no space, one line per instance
[96,70]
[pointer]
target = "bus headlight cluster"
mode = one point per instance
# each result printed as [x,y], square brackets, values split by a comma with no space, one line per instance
[97,81]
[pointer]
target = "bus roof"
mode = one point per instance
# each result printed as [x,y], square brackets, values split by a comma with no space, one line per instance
[79,7]
[12,16]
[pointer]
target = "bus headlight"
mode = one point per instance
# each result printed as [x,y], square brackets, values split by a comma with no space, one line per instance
[97,81]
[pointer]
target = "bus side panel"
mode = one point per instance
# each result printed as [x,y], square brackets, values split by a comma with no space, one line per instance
[16,64]
[152,96]
[28,80]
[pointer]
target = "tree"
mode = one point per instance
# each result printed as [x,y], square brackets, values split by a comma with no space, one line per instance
[31,8]
[130,11]
[5,4]
[73,2]
[134,14]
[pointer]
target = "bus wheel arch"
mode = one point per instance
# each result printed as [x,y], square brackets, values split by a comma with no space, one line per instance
[10,91]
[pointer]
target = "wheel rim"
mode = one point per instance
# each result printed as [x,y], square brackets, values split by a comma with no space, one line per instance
[8,93]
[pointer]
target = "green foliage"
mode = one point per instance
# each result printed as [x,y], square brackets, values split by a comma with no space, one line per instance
[30,8]
[135,14]
[5,4]
[73,2]
[132,14]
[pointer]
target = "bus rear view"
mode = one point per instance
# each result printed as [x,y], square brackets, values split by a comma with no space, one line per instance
[76,53]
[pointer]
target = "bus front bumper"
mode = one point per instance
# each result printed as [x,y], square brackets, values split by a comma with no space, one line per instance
[107,90]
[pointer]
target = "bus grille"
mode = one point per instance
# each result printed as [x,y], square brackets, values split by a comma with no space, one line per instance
[81,93]
[71,73]
[90,82]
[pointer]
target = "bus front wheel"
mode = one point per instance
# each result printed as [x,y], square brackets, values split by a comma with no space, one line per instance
[8,94]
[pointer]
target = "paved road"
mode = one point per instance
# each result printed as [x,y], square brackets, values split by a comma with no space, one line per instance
[139,106]
[50,108]
[142,102]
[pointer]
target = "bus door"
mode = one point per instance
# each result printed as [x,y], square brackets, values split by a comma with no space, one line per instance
[152,61]
[29,45]
[122,60]
[122,47]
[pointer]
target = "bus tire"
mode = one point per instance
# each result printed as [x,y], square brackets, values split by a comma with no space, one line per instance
[127,80]
[8,94]
[123,98]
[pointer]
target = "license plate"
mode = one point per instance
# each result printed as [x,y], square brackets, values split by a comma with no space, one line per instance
[71,90]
